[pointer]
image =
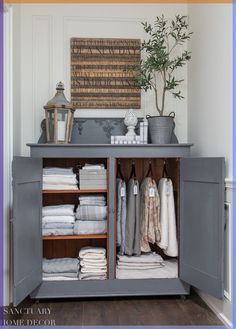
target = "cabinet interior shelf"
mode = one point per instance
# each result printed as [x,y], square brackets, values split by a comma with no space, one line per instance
[73,191]
[75,237]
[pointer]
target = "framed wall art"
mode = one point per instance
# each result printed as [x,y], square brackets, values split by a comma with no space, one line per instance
[99,75]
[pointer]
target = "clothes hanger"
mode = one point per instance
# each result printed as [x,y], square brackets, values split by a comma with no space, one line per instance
[149,173]
[119,172]
[133,171]
[164,171]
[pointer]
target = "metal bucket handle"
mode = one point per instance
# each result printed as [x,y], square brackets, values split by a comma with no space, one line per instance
[172,115]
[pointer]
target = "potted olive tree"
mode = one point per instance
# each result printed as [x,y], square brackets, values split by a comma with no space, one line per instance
[163,55]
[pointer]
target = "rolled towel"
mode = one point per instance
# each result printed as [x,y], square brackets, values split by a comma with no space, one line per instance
[60,265]
[91,212]
[90,227]
[59,210]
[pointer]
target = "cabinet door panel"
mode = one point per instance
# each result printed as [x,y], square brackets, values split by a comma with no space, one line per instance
[202,223]
[26,226]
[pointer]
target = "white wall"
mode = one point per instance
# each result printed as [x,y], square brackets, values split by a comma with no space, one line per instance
[210,105]
[44,32]
[210,81]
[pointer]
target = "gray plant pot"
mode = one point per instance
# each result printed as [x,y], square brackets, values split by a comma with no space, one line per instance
[161,128]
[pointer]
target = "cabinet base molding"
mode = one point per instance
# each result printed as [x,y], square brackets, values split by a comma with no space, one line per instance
[106,288]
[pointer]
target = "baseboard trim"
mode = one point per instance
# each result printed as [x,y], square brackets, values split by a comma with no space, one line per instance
[219,315]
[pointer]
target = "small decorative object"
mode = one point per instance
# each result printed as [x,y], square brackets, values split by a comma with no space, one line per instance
[131,122]
[131,137]
[59,118]
[158,68]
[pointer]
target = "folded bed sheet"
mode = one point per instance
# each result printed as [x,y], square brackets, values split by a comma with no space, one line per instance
[90,227]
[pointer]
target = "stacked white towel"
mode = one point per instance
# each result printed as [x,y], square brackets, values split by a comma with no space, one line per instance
[60,269]
[89,166]
[93,263]
[146,266]
[58,220]
[59,179]
[91,215]
[93,177]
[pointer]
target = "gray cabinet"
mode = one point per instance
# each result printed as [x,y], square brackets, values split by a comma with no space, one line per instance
[201,219]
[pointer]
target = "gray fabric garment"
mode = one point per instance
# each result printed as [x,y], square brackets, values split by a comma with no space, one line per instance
[132,238]
[121,215]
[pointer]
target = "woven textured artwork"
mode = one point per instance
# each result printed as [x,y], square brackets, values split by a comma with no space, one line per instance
[101,74]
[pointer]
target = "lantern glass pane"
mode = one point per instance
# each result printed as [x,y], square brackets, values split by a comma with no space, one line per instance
[51,124]
[62,123]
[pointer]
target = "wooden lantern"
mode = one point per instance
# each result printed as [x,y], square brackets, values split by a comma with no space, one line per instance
[59,114]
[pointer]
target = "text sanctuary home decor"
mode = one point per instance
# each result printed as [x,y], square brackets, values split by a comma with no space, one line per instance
[99,78]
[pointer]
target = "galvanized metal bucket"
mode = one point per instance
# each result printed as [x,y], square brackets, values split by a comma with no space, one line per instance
[161,128]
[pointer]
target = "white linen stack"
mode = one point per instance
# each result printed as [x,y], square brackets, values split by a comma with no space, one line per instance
[60,269]
[59,179]
[148,266]
[93,177]
[58,220]
[91,215]
[93,263]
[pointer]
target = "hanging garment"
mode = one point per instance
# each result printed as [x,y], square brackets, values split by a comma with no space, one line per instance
[132,228]
[149,214]
[168,240]
[121,214]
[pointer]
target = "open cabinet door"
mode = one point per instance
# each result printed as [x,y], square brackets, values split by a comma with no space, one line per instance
[26,226]
[202,223]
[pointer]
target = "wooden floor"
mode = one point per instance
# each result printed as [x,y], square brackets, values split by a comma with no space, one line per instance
[118,311]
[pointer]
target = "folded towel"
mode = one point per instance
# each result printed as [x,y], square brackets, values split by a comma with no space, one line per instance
[94,262]
[57,225]
[170,270]
[57,231]
[92,253]
[60,179]
[91,212]
[90,227]
[131,266]
[59,210]
[57,171]
[58,219]
[67,274]
[148,258]
[59,187]
[92,203]
[60,265]
[92,276]
[93,270]
[88,166]
[95,197]
[59,278]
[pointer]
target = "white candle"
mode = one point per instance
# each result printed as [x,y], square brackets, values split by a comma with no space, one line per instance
[61,132]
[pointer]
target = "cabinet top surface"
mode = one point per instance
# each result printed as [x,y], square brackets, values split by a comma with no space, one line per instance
[111,145]
[109,150]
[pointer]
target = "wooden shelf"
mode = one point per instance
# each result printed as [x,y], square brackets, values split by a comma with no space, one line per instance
[75,237]
[73,191]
